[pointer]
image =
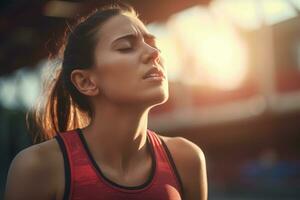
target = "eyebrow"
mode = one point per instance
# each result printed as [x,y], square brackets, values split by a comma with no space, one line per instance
[134,37]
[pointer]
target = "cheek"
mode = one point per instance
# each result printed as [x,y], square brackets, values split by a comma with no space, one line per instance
[118,76]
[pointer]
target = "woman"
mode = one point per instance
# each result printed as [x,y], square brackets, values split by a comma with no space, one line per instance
[111,77]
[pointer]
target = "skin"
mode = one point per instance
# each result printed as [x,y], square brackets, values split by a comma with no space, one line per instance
[116,136]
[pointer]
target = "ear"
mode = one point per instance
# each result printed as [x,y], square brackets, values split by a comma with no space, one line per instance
[84,83]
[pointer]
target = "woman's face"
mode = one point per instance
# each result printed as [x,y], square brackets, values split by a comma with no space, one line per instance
[124,53]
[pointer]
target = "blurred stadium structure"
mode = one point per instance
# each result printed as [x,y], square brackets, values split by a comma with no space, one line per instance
[234,71]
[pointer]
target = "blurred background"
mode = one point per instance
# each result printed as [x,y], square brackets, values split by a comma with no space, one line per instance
[234,72]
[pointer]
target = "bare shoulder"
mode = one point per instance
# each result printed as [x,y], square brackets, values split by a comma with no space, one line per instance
[33,172]
[38,157]
[191,165]
[184,147]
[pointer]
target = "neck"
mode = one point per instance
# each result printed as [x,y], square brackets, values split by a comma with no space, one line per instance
[117,136]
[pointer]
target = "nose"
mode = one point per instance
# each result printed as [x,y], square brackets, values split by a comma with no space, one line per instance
[151,54]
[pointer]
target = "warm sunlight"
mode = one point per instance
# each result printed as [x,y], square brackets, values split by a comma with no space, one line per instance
[222,58]
[251,14]
[202,49]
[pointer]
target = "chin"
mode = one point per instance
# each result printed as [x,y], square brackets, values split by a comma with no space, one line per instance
[147,98]
[158,99]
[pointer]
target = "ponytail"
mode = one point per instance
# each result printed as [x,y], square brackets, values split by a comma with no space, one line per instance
[56,112]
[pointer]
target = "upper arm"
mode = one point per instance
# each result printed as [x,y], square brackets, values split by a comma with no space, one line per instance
[28,177]
[197,187]
[191,165]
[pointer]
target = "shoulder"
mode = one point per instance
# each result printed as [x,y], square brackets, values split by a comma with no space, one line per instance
[32,166]
[190,162]
[35,156]
[184,148]
[185,152]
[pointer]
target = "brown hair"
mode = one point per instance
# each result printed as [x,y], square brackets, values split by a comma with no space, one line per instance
[63,107]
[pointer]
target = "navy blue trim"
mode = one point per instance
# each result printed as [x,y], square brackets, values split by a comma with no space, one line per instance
[66,166]
[153,167]
[173,165]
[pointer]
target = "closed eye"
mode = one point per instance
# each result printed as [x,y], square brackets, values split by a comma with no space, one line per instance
[127,49]
[130,49]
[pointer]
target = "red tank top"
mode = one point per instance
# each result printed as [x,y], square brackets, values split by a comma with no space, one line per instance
[85,181]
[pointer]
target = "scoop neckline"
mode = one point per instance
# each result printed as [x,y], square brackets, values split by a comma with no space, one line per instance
[102,175]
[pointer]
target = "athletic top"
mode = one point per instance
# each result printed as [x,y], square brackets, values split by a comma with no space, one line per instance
[85,180]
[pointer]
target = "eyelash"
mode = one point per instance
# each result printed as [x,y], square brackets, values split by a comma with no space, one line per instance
[125,49]
[130,48]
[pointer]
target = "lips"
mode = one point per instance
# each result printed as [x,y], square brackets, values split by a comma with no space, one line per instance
[154,72]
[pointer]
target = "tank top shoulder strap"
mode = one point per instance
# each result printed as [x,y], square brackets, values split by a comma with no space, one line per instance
[64,144]
[165,157]
[76,161]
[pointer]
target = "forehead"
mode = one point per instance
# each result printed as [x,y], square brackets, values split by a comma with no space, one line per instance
[120,25]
